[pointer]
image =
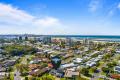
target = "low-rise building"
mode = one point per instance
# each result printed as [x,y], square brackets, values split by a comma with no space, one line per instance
[70,73]
[117,69]
[77,60]
[67,65]
[8,63]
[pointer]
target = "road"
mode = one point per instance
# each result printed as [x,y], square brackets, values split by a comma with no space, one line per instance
[16,72]
[17,75]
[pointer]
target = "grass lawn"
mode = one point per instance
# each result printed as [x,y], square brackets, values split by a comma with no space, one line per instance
[80,78]
[76,79]
[62,79]
[47,77]
[11,76]
[102,73]
[100,79]
[90,71]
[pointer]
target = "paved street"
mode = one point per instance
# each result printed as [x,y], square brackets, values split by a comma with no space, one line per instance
[17,75]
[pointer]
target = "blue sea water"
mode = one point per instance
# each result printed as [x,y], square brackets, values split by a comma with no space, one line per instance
[98,37]
[88,36]
[104,37]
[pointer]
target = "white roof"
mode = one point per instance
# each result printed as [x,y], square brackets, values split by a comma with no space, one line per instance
[78,60]
[67,65]
[118,51]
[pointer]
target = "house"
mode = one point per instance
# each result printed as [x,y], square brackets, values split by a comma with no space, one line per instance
[39,72]
[100,56]
[79,52]
[117,69]
[115,76]
[93,61]
[90,64]
[77,60]
[35,61]
[1,50]
[45,60]
[15,58]
[57,73]
[8,63]
[119,62]
[2,59]
[67,56]
[46,46]
[3,74]
[56,48]
[50,65]
[36,66]
[72,68]
[70,73]
[95,52]
[33,66]
[2,69]
[39,53]
[86,57]
[39,49]
[8,43]
[67,65]
[62,54]
[64,49]
[117,51]
[48,51]
[96,59]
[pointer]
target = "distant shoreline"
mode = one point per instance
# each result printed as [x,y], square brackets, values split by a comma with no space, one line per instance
[102,37]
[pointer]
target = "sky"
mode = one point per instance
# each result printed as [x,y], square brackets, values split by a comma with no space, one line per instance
[60,17]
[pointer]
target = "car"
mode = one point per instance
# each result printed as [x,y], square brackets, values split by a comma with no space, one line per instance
[97,71]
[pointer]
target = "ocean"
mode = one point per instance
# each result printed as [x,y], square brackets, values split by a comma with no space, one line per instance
[98,37]
[92,37]
[88,36]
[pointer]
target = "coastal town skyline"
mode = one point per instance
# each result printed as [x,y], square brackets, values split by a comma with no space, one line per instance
[61,17]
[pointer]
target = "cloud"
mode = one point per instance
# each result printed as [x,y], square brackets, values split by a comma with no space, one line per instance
[111,13]
[14,20]
[118,6]
[113,9]
[48,21]
[94,5]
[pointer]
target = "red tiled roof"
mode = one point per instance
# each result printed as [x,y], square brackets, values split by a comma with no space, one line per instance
[50,65]
[115,76]
[33,66]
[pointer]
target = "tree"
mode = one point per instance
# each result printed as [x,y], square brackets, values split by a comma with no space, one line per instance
[10,69]
[5,77]
[26,38]
[48,77]
[62,45]
[20,38]
[85,71]
[111,64]
[105,70]
[23,69]
[56,62]
[107,56]
[95,55]
[26,78]
[34,78]
[94,69]
[17,50]
[97,64]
